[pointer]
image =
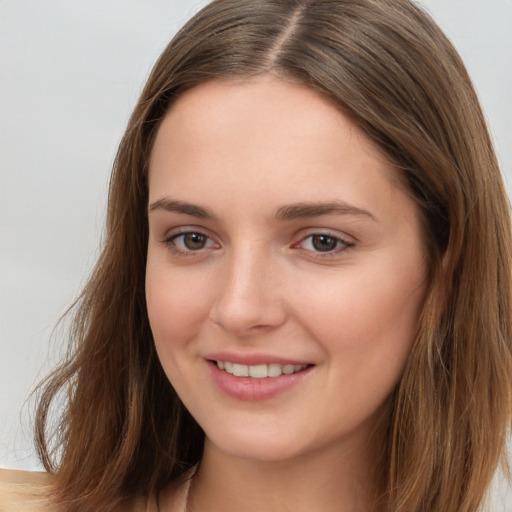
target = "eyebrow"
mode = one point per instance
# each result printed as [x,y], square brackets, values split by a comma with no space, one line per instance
[306,210]
[172,205]
[283,213]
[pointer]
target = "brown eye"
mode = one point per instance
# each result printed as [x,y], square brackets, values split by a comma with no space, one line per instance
[194,241]
[324,243]
[190,242]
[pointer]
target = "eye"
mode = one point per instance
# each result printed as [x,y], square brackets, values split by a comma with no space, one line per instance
[324,243]
[189,242]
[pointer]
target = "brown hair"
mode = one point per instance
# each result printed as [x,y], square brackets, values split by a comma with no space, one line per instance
[390,68]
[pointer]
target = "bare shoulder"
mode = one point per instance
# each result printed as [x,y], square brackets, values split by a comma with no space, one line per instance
[30,491]
[174,497]
[14,476]
[25,491]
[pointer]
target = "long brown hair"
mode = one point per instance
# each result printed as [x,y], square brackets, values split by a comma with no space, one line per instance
[388,66]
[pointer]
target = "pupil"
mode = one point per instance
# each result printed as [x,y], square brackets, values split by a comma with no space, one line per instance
[324,243]
[194,241]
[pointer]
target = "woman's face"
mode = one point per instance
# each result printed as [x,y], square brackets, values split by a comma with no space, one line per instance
[285,272]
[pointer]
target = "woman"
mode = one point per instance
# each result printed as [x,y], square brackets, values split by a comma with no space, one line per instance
[303,301]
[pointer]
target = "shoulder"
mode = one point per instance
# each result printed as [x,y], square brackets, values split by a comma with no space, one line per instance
[174,497]
[25,491]
[28,491]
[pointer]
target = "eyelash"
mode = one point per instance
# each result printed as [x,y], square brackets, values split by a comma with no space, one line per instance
[341,244]
[170,243]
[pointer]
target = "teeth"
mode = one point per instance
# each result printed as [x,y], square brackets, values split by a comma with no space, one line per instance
[260,371]
[240,370]
[288,369]
[274,370]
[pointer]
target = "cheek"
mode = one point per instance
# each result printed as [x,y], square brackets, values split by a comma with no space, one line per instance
[177,304]
[367,335]
[365,319]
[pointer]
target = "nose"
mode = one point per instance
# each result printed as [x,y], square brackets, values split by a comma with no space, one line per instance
[250,297]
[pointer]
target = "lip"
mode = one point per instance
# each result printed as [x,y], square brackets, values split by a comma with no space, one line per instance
[255,390]
[252,359]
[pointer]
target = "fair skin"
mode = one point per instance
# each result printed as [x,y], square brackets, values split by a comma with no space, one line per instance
[279,241]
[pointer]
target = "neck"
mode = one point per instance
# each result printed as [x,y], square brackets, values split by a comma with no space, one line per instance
[345,480]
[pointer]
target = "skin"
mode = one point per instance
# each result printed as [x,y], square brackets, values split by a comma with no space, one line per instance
[256,279]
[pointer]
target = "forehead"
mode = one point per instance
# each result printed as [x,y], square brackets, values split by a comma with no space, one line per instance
[270,140]
[260,111]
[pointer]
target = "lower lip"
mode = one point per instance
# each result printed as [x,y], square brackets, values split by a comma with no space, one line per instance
[255,390]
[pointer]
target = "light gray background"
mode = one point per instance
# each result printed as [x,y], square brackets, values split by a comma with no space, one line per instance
[70,73]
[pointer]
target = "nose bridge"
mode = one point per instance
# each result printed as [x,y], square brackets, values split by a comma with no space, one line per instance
[248,295]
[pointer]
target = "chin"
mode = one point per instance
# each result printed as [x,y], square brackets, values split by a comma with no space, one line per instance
[263,445]
[259,451]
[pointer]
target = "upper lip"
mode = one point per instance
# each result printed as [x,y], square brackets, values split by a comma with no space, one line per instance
[253,359]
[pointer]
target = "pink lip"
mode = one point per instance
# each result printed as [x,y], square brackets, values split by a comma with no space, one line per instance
[254,390]
[252,359]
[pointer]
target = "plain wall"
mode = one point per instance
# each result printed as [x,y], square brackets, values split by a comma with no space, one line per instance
[70,73]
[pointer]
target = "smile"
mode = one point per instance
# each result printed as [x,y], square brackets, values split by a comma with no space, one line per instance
[259,371]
